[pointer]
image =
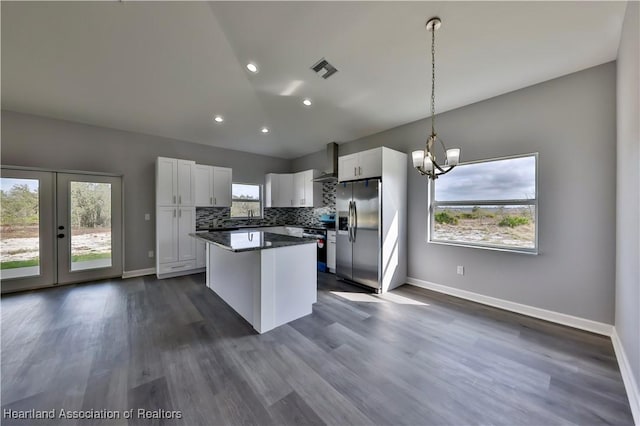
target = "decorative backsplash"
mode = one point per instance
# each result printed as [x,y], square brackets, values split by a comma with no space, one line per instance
[303,216]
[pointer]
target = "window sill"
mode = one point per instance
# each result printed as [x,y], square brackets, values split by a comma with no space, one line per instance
[530,252]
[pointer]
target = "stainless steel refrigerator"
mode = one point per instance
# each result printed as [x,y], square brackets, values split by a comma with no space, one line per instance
[358,239]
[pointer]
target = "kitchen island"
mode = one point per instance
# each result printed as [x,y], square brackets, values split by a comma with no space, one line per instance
[269,279]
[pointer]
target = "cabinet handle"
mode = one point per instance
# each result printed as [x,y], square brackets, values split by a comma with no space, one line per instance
[174,212]
[179,199]
[177,267]
[355,171]
[174,199]
[179,212]
[359,171]
[291,202]
[210,200]
[215,201]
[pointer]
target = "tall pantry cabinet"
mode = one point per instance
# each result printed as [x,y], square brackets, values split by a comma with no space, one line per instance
[175,217]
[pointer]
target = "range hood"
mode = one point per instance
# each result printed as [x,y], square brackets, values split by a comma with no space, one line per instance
[330,175]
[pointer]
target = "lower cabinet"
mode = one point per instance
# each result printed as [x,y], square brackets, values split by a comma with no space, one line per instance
[175,248]
[331,251]
[201,254]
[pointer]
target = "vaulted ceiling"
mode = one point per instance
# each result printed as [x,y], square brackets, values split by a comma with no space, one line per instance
[166,68]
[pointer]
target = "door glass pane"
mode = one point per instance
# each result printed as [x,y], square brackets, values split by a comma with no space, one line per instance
[90,216]
[20,223]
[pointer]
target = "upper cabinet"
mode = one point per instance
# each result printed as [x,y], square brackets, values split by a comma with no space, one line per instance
[361,165]
[307,192]
[293,190]
[213,186]
[279,190]
[222,186]
[175,182]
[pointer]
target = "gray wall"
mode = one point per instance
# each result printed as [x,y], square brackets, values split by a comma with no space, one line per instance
[34,141]
[571,122]
[628,200]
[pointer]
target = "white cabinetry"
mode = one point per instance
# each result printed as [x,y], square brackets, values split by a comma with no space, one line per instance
[361,165]
[331,251]
[175,216]
[212,186]
[293,190]
[167,240]
[175,182]
[279,190]
[201,254]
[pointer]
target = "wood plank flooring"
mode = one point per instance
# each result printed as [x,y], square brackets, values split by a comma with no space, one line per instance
[412,357]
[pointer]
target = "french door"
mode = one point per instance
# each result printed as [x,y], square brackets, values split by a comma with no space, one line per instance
[59,228]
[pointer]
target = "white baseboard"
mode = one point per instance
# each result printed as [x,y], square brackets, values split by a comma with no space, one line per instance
[633,391]
[138,273]
[551,316]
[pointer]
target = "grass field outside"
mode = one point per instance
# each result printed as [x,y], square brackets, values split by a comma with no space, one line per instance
[19,246]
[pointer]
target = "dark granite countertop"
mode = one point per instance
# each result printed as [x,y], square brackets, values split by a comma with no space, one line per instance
[244,226]
[250,240]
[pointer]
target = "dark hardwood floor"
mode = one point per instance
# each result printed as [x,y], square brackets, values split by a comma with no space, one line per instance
[412,357]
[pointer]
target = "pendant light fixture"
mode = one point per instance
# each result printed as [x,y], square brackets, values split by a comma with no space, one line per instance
[424,160]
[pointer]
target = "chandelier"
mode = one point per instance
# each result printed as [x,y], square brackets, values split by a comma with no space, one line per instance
[424,160]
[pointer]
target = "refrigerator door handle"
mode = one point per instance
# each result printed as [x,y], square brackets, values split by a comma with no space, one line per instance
[350,221]
[355,221]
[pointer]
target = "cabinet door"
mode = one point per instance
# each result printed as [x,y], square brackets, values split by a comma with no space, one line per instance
[201,254]
[221,187]
[203,186]
[271,190]
[370,163]
[166,181]
[348,167]
[167,234]
[186,182]
[331,255]
[312,190]
[186,225]
[298,189]
[285,191]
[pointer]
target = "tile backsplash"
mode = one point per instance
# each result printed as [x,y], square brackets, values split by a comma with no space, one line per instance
[303,216]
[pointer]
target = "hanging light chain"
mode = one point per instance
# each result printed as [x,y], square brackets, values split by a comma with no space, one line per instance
[433,80]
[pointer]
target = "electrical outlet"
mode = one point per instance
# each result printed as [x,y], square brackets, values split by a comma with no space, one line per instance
[147,216]
[151,253]
[460,270]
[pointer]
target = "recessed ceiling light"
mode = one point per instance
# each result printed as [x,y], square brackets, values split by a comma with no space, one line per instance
[252,67]
[218,119]
[307,102]
[265,130]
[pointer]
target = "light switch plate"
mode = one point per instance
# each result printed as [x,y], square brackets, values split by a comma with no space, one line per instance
[151,253]
[460,270]
[147,216]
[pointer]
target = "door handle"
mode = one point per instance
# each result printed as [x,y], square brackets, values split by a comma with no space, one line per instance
[350,220]
[355,220]
[60,235]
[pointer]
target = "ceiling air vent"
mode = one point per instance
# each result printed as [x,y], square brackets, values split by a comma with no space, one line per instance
[322,64]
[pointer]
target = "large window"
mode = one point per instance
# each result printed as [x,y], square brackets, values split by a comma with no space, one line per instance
[490,204]
[246,200]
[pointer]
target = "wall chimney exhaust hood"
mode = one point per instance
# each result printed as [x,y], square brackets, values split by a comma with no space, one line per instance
[331,174]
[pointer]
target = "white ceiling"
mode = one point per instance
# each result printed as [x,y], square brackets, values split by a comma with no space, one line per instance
[165,68]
